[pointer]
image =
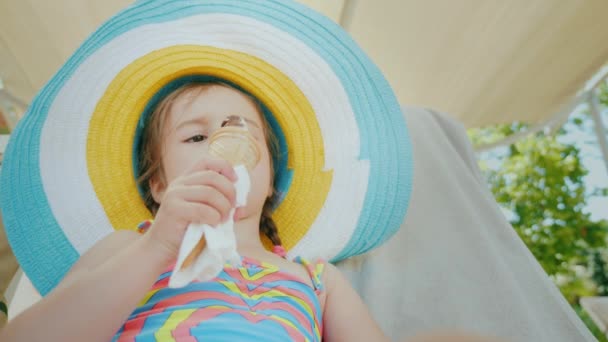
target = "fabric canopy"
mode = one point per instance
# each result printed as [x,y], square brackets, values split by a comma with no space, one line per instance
[481,61]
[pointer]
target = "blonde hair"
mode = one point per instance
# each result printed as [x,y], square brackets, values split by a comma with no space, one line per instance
[150,156]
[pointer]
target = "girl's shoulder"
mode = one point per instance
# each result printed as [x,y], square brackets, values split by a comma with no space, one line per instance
[315,269]
[320,274]
[315,272]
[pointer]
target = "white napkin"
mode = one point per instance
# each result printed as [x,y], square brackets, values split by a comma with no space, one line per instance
[221,242]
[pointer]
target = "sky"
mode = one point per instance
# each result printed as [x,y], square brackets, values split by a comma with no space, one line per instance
[586,139]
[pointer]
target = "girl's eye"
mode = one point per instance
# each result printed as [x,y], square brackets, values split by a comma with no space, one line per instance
[197,138]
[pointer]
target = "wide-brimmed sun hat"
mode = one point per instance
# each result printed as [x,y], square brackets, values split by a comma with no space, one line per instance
[344,177]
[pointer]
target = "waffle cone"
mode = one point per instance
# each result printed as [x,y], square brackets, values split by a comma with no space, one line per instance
[235,145]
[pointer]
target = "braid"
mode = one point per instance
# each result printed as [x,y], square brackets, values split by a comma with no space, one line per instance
[267,225]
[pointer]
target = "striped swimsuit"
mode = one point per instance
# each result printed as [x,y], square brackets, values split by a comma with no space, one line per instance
[253,302]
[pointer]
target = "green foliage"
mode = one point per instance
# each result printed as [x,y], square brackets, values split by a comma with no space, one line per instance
[539,181]
[599,267]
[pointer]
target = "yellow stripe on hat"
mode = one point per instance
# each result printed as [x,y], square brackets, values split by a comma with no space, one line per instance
[113,125]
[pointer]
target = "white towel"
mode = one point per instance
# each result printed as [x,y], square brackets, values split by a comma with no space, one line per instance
[221,242]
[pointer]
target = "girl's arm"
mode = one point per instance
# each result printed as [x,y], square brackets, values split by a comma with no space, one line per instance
[98,294]
[108,282]
[345,316]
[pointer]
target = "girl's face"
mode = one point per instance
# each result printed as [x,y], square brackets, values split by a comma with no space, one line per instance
[193,118]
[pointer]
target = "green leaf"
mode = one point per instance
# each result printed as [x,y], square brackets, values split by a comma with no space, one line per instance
[539,181]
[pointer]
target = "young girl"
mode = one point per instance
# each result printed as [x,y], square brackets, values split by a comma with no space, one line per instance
[267,298]
[344,123]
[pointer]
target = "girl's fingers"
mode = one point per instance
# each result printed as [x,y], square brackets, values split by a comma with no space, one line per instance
[202,213]
[212,179]
[218,165]
[207,195]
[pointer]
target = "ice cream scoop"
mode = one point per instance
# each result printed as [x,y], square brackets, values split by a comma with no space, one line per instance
[234,143]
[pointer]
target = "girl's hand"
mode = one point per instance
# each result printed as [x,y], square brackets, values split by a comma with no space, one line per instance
[203,194]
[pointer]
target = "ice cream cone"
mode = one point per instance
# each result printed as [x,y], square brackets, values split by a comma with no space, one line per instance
[236,145]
